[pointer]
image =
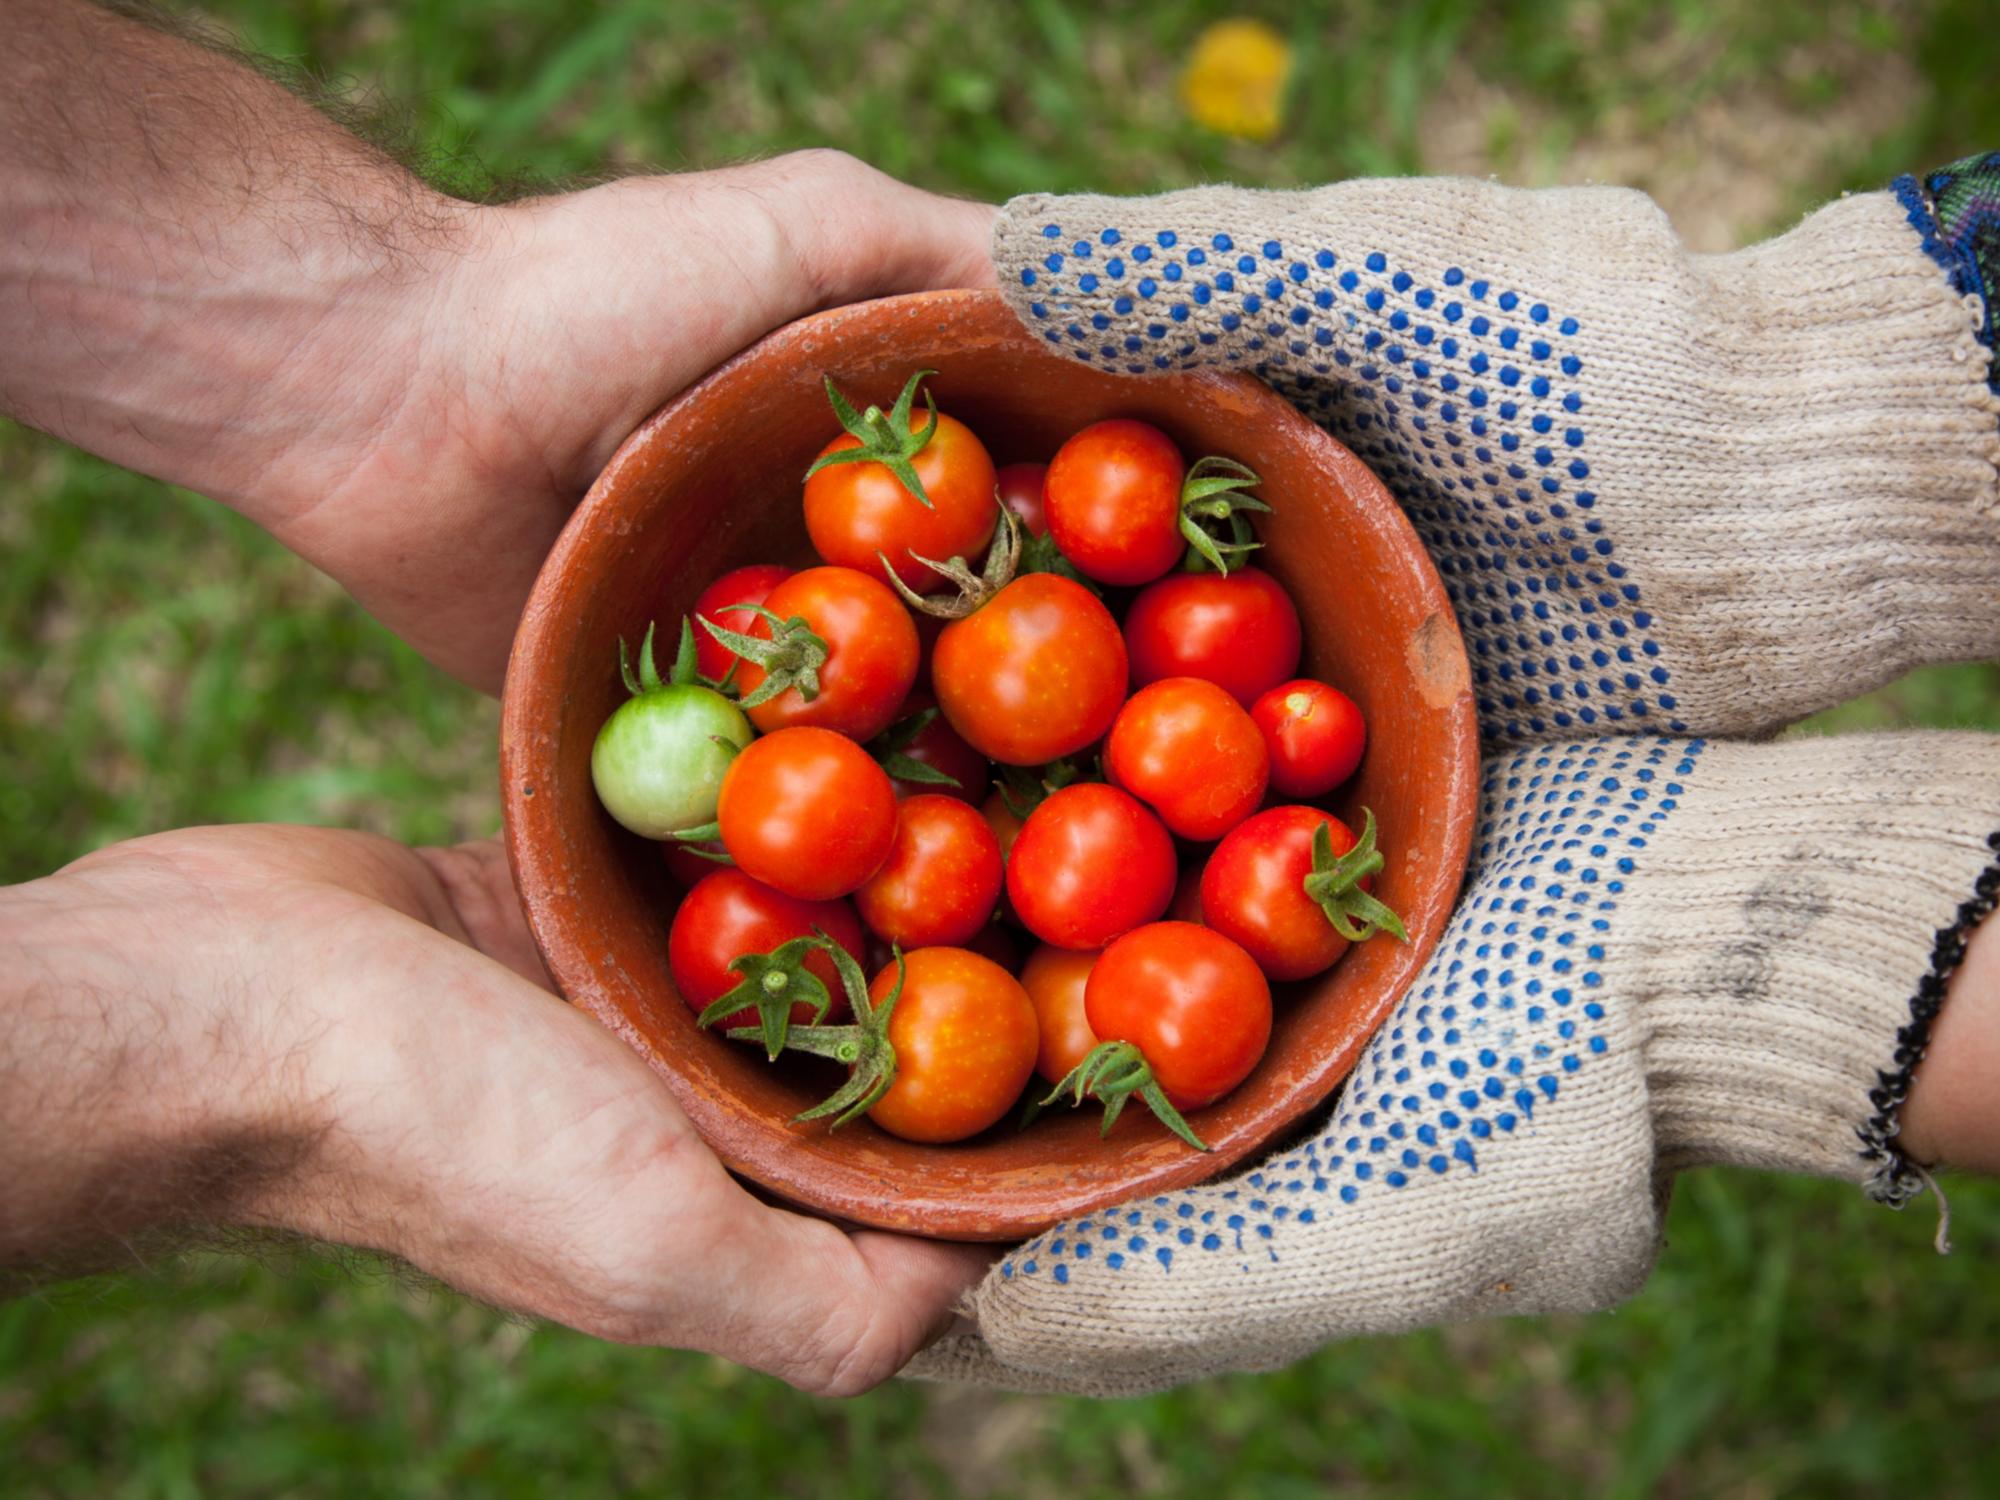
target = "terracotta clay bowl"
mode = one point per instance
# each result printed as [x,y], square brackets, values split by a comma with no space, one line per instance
[712,482]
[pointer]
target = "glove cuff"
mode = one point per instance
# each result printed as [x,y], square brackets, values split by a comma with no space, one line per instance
[1802,920]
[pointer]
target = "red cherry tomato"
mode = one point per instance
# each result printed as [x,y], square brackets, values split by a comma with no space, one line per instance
[871,654]
[1089,863]
[751,585]
[1190,1000]
[855,510]
[1315,736]
[1253,890]
[1240,632]
[1032,675]
[1021,492]
[965,1037]
[1054,979]
[728,915]
[1113,495]
[940,747]
[1188,751]
[808,811]
[941,878]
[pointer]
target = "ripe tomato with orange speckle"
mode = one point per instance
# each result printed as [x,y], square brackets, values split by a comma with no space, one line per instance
[941,879]
[1187,750]
[1034,674]
[965,1037]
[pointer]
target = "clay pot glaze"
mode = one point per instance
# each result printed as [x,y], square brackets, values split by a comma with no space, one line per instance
[712,482]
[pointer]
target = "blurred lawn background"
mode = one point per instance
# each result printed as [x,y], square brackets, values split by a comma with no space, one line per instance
[162,663]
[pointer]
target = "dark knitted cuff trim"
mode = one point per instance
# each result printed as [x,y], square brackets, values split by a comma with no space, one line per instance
[1956,212]
[1891,1178]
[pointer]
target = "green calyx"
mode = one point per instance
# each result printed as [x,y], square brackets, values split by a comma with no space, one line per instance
[1003,562]
[772,983]
[1213,503]
[890,745]
[1111,1073]
[864,1045]
[791,657]
[707,833]
[1025,788]
[684,673]
[1335,885]
[885,438]
[1040,554]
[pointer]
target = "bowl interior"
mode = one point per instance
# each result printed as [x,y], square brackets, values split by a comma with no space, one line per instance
[712,482]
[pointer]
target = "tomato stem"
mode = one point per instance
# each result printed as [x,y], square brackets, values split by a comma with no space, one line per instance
[1218,534]
[863,1046]
[1111,1073]
[1024,788]
[649,675]
[791,657]
[1040,554]
[902,768]
[685,671]
[888,747]
[771,984]
[884,439]
[1335,885]
[1002,563]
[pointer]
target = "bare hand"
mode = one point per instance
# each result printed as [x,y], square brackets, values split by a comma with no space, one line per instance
[330,1033]
[555,327]
[206,280]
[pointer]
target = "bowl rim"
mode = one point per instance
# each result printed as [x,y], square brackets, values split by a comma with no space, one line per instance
[530,737]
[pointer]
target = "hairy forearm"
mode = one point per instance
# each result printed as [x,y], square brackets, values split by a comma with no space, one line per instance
[202,277]
[132,1106]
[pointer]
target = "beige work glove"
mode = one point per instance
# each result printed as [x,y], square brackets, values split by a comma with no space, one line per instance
[1669,493]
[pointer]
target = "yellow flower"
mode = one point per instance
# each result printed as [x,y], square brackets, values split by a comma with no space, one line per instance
[1235,82]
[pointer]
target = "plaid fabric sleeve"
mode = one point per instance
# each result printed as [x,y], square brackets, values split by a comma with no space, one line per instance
[1957,210]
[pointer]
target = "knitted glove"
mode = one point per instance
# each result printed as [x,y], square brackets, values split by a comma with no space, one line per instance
[1667,492]
[1670,953]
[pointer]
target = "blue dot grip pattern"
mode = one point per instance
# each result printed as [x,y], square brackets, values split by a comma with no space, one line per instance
[1511,1010]
[1467,397]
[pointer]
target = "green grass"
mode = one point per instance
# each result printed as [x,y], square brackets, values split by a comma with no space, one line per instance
[1046,95]
[1795,1341]
[163,663]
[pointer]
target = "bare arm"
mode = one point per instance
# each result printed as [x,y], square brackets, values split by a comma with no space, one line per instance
[329,1034]
[206,279]
[1952,1116]
[203,278]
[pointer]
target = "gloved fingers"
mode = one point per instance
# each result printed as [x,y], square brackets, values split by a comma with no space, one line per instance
[1666,493]
[1492,1152]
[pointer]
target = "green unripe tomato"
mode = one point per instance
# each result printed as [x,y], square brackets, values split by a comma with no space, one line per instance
[657,764]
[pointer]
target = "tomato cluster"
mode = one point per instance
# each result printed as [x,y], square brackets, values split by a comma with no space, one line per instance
[892,763]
